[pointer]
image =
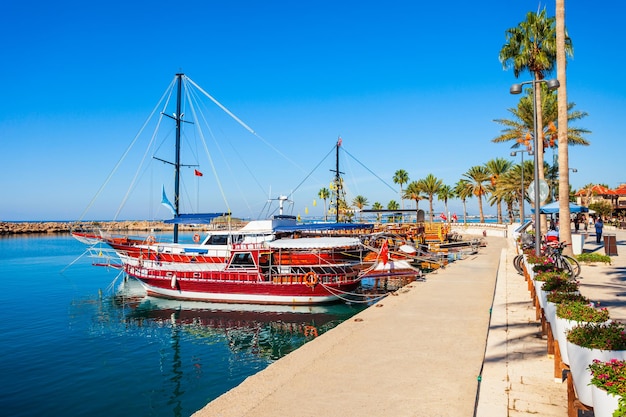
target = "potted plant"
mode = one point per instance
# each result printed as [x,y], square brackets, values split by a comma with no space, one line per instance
[558,282]
[608,386]
[580,311]
[546,282]
[572,313]
[531,259]
[560,291]
[546,265]
[586,342]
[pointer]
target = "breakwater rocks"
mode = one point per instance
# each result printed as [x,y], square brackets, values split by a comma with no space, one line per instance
[9,228]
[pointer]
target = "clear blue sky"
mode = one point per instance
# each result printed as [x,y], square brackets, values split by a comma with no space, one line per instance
[406,84]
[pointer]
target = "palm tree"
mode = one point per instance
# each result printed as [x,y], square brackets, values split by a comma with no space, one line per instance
[510,182]
[561,59]
[478,176]
[463,190]
[445,193]
[521,128]
[401,177]
[507,188]
[412,192]
[589,192]
[531,46]
[393,205]
[430,186]
[359,202]
[324,194]
[552,178]
[377,206]
[497,167]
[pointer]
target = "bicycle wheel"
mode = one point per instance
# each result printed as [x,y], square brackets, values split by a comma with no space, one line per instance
[562,263]
[517,263]
[574,264]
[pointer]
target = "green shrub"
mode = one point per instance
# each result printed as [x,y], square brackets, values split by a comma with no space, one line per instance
[593,257]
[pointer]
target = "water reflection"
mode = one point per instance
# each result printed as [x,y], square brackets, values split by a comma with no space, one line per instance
[178,355]
[267,331]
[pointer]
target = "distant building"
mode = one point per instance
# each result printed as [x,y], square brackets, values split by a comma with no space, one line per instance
[599,193]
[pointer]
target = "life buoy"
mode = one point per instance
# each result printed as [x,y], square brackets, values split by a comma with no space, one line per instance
[310,331]
[150,239]
[310,279]
[196,237]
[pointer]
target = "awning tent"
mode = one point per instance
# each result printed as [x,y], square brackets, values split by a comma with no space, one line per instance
[554,208]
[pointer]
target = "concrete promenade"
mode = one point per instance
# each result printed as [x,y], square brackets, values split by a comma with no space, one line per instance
[463,343]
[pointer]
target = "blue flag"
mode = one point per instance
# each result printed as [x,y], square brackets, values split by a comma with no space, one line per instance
[167,203]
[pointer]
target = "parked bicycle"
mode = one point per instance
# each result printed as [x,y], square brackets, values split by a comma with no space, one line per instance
[553,250]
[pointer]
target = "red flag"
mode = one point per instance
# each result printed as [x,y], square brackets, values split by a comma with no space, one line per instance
[198,173]
[443,217]
[384,253]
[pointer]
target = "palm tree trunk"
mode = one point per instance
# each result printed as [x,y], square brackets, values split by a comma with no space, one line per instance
[464,212]
[480,209]
[430,200]
[565,232]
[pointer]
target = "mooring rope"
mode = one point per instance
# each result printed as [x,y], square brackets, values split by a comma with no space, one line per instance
[342,295]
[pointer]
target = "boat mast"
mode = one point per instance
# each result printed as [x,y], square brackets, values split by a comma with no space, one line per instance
[338,182]
[179,78]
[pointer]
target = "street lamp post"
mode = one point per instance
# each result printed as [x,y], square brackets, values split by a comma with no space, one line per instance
[517,89]
[521,203]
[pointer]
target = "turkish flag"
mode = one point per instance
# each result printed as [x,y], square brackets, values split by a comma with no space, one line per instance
[198,173]
[384,253]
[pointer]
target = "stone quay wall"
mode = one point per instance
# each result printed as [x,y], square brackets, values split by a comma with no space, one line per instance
[9,228]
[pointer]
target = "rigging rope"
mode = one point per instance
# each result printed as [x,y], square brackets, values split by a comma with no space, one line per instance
[369,170]
[206,149]
[119,162]
[145,155]
[245,126]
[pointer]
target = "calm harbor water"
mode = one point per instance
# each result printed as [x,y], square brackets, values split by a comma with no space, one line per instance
[79,340]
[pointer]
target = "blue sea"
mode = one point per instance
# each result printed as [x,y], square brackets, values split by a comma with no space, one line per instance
[80,340]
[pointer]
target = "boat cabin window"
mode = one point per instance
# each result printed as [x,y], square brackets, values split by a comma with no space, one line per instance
[242,260]
[217,240]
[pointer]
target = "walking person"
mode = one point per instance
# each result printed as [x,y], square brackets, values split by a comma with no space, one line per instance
[599,225]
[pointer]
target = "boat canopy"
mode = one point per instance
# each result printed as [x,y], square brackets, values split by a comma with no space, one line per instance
[195,218]
[316,227]
[314,243]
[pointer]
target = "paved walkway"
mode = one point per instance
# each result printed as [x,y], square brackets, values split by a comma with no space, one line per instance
[432,350]
[518,377]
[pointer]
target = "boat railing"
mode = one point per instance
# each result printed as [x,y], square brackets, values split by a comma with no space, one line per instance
[103,256]
[248,246]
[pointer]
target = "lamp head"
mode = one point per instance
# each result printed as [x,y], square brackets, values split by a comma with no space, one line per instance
[553,84]
[516,89]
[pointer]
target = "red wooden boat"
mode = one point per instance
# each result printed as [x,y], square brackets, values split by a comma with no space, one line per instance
[252,275]
[255,264]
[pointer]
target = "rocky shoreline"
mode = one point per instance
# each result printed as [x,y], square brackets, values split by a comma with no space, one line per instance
[11,228]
